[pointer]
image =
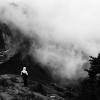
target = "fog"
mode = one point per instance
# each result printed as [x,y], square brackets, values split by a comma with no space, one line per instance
[64,33]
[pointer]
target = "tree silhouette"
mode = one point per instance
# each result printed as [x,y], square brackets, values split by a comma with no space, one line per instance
[94,67]
[91,86]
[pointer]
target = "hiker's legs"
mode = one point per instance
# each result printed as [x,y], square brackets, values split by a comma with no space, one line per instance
[25,81]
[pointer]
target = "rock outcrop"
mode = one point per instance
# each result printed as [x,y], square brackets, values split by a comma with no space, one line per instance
[12,88]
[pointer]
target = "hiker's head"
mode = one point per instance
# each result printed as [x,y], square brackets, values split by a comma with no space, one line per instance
[24,68]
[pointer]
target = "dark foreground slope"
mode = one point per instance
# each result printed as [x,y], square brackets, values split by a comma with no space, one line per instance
[11,88]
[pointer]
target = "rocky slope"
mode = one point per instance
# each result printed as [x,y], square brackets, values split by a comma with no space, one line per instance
[12,88]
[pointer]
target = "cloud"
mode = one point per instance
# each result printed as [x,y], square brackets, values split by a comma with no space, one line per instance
[64,32]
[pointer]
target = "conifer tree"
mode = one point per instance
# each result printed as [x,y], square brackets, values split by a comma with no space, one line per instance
[94,67]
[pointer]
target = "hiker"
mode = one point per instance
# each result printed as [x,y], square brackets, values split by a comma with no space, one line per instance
[24,74]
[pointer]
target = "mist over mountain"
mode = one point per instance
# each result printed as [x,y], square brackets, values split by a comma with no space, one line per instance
[46,29]
[59,35]
[53,39]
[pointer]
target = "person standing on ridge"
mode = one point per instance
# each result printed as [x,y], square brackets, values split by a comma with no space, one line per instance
[24,75]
